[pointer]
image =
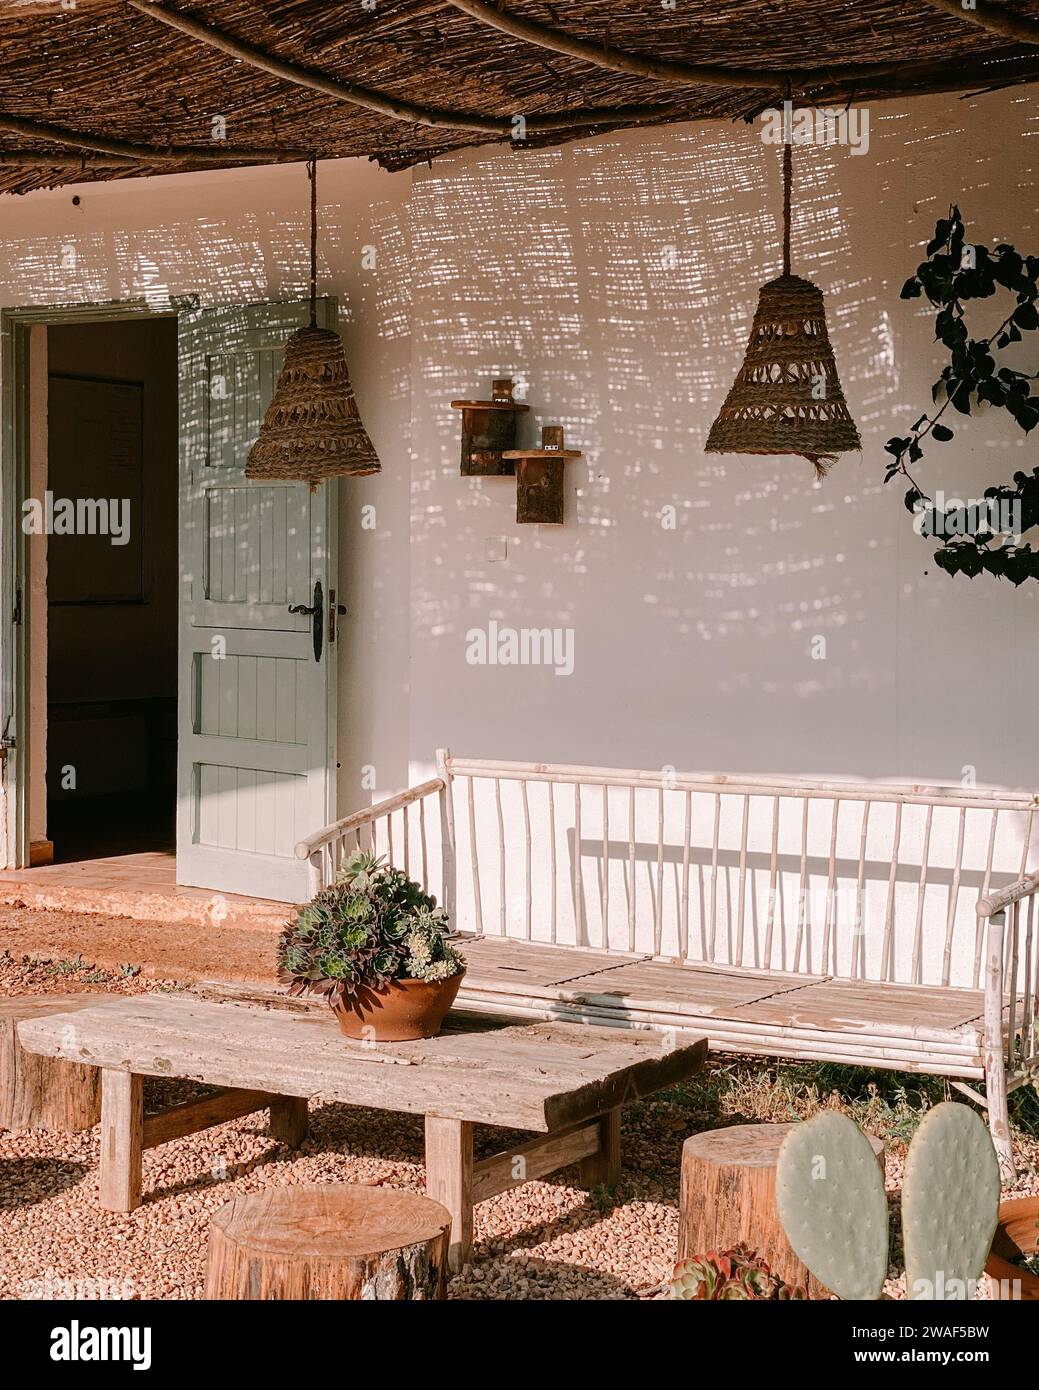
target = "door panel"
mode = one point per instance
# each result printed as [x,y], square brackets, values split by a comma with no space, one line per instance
[257,711]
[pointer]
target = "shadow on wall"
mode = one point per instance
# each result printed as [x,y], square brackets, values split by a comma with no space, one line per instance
[722,612]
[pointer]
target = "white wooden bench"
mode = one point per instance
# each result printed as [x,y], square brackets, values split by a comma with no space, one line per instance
[883,925]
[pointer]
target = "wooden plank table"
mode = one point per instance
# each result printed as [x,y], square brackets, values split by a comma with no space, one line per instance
[565,1081]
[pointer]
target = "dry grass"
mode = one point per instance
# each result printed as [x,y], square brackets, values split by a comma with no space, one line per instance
[546,1240]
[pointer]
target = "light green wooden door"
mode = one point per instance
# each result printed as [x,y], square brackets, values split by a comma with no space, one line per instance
[256,745]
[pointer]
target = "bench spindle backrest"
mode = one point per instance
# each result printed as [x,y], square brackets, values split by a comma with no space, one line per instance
[865,881]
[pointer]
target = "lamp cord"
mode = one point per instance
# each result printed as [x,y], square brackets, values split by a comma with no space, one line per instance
[788,171]
[312,175]
[788,176]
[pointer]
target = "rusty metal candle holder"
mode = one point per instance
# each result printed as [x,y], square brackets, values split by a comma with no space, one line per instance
[539,478]
[488,428]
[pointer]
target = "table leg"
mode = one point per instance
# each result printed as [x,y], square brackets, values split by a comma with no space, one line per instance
[289,1122]
[122,1130]
[449,1180]
[603,1169]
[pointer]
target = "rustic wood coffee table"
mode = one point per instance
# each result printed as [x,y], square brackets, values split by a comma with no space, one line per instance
[564,1080]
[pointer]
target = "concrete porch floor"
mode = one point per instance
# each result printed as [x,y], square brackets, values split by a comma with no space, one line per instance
[142,886]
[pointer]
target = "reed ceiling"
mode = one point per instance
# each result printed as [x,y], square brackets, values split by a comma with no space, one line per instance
[123,88]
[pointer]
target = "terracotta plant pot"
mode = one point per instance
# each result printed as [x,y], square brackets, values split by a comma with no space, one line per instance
[406,1009]
[1017,1235]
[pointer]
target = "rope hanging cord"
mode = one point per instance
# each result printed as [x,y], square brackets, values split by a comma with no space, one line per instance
[787,397]
[312,429]
[788,179]
[312,175]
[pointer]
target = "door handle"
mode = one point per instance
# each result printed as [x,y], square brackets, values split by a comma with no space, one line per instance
[317,612]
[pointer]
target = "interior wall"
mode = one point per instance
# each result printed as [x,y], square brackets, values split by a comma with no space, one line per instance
[40,848]
[110,651]
[126,652]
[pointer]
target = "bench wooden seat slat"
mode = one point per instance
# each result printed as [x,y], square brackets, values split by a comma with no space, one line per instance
[508,965]
[492,960]
[726,1004]
[702,992]
[738,1008]
[913,1011]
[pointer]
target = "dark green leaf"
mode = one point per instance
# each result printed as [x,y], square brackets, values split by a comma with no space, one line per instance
[941,235]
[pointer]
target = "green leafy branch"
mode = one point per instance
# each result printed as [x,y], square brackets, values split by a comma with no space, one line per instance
[954,273]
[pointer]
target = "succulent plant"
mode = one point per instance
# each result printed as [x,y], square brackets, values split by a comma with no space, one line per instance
[736,1273]
[371,926]
[831,1204]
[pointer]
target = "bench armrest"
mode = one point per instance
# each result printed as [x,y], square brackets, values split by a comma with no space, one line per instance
[1010,989]
[338,829]
[1012,893]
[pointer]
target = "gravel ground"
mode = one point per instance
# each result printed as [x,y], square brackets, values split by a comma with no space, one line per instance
[546,1240]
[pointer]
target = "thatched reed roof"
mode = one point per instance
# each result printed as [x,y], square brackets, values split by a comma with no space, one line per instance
[108,89]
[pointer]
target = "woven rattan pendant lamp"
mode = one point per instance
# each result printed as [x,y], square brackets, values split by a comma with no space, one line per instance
[312,429]
[787,398]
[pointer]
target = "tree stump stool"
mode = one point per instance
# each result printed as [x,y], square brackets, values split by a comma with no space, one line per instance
[729,1195]
[329,1241]
[45,1092]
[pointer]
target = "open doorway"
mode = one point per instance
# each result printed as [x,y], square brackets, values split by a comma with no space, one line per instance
[109,659]
[164,572]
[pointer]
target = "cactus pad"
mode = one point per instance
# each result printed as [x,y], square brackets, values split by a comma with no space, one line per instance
[950,1203]
[831,1204]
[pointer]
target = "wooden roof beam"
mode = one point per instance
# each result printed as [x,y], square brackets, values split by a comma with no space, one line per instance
[126,151]
[993,18]
[16,9]
[397,110]
[661,70]
[61,159]
[633,64]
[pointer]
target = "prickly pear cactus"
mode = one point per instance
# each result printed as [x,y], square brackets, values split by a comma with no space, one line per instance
[950,1203]
[831,1204]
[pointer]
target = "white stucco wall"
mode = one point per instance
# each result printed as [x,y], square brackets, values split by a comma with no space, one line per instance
[618,279]
[693,646]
